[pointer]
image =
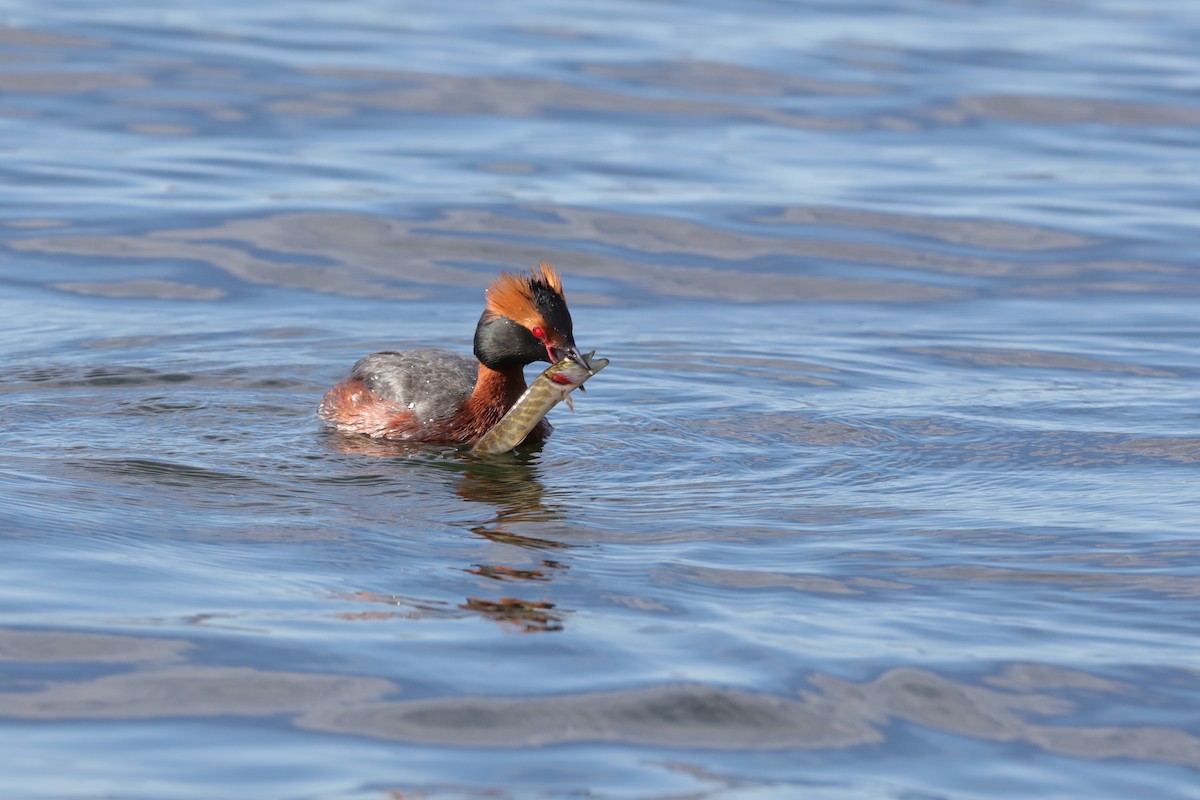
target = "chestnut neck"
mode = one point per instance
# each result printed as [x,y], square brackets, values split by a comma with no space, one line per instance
[501,385]
[496,390]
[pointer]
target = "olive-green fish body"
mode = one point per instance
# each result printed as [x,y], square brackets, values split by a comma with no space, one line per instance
[547,390]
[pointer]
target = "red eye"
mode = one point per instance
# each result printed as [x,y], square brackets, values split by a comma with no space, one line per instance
[539,333]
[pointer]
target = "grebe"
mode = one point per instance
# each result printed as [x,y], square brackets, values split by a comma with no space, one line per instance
[431,395]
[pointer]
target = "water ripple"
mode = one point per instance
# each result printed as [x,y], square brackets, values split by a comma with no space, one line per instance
[893,468]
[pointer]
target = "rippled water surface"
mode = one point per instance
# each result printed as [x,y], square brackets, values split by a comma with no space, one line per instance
[891,490]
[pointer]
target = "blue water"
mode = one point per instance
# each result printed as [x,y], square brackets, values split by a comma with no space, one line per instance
[890,491]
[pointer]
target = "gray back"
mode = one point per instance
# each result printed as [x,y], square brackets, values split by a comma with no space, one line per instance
[433,383]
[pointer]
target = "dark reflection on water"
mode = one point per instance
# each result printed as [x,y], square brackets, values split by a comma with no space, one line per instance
[507,486]
[890,491]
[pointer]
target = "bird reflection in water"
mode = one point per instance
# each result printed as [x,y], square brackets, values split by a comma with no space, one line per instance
[509,485]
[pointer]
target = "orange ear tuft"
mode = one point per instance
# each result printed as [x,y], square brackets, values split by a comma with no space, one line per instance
[546,274]
[511,296]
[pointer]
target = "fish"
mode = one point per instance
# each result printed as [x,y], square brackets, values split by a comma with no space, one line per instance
[547,390]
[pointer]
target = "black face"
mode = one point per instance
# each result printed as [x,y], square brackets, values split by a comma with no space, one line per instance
[501,343]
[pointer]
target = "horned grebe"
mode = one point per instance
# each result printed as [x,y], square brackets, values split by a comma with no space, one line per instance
[431,395]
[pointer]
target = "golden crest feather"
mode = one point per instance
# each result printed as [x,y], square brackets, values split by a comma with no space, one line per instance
[511,295]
